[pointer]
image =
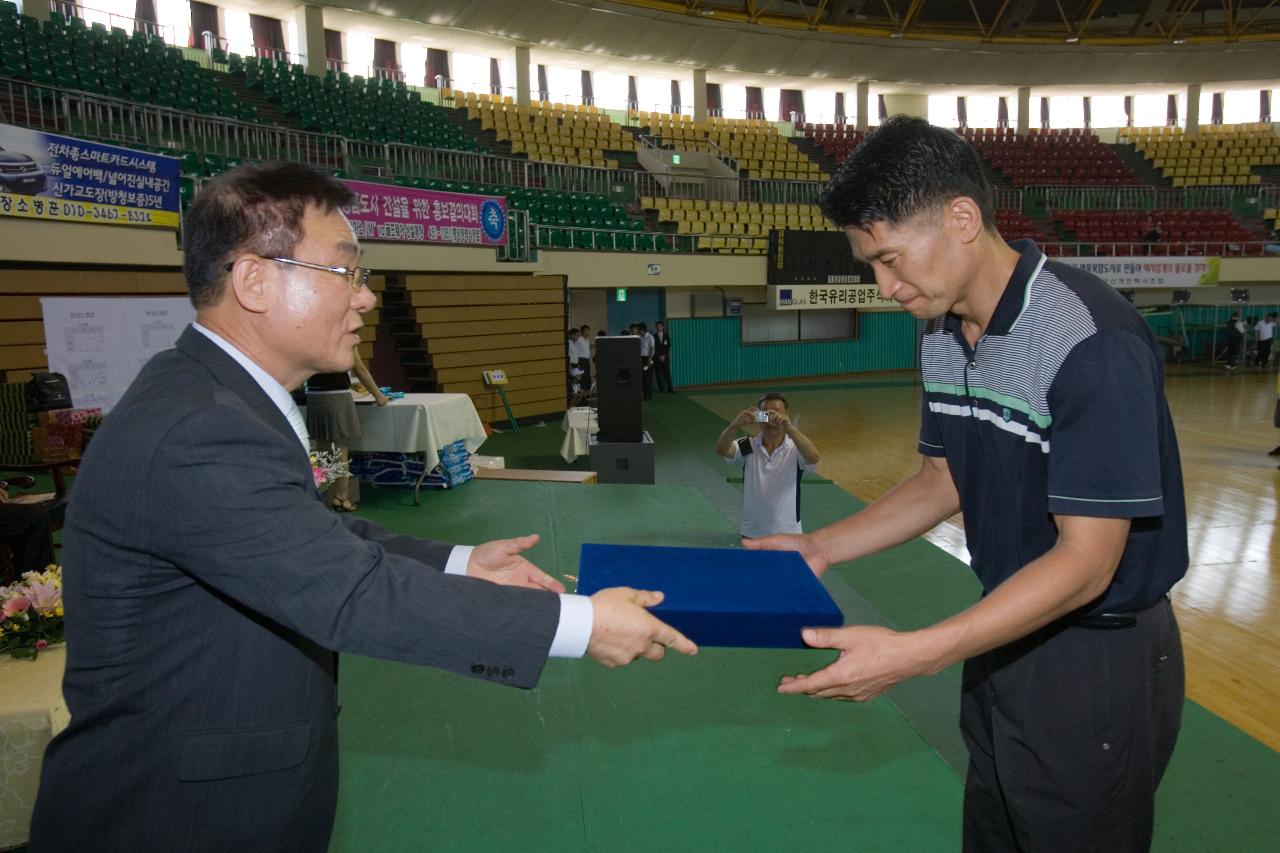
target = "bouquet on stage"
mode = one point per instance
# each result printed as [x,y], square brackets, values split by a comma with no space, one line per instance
[718,596]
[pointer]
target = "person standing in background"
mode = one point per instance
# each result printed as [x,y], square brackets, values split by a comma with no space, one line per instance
[662,357]
[584,356]
[1266,335]
[646,359]
[1235,340]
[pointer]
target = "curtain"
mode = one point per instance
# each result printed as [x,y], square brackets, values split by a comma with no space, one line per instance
[1002,112]
[144,17]
[1044,113]
[1171,111]
[841,118]
[544,91]
[1264,105]
[268,37]
[333,48]
[962,112]
[675,97]
[204,18]
[588,88]
[438,66]
[755,102]
[633,100]
[1128,110]
[715,106]
[1217,108]
[384,56]
[881,109]
[495,77]
[1088,112]
[790,101]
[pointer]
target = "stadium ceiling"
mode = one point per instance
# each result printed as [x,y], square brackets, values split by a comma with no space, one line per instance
[969,46]
[1131,22]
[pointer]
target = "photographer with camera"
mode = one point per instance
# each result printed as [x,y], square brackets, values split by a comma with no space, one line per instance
[772,463]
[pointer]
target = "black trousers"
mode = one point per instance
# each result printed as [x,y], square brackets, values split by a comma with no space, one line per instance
[646,383]
[25,530]
[1069,732]
[584,364]
[1264,352]
[662,370]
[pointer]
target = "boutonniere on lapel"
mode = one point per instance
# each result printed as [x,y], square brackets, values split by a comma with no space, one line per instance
[327,466]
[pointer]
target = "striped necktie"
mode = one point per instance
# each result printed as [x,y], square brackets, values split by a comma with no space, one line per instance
[299,425]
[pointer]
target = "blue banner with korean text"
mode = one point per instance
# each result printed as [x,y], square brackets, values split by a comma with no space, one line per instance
[60,178]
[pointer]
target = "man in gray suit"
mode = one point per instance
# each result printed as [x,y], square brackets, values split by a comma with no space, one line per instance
[207,588]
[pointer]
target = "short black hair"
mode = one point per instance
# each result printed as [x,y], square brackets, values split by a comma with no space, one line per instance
[905,167]
[255,208]
[772,395]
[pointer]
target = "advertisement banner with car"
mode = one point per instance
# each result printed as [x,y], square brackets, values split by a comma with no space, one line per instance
[59,178]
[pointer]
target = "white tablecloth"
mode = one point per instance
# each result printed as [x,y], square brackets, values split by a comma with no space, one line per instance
[578,423]
[420,423]
[31,713]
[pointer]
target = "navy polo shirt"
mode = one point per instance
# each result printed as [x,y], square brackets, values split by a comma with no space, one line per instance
[1058,409]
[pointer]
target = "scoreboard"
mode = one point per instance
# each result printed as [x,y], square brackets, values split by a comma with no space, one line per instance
[814,257]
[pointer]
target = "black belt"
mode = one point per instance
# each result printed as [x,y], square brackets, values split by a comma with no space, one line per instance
[1107,621]
[1113,621]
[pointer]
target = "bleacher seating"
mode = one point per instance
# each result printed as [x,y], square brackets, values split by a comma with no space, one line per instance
[368,109]
[836,140]
[1067,157]
[1219,155]
[69,54]
[1014,225]
[577,135]
[734,227]
[1177,226]
[761,151]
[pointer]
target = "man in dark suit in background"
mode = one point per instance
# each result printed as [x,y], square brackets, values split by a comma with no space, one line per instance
[662,357]
[207,588]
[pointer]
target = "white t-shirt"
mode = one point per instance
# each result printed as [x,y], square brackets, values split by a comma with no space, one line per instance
[771,486]
[1266,330]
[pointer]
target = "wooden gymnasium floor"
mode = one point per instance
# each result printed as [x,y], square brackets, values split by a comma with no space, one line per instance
[1229,602]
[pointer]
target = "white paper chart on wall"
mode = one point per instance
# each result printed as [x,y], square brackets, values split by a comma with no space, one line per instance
[100,344]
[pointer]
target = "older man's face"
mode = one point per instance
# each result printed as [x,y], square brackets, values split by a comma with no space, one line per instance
[315,315]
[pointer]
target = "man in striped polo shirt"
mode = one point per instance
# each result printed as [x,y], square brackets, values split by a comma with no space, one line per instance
[1044,421]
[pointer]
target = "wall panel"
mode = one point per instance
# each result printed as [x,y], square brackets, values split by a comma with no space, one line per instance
[477,322]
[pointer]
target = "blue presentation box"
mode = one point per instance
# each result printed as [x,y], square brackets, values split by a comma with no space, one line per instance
[718,596]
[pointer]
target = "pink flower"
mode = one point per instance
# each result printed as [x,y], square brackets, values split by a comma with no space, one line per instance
[320,476]
[44,597]
[17,604]
[41,645]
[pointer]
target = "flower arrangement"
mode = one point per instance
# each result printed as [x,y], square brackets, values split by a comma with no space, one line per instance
[32,613]
[327,466]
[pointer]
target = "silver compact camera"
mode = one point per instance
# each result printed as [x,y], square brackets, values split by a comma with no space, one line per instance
[762,416]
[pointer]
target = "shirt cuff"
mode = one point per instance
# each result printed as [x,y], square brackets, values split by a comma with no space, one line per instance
[458,559]
[574,631]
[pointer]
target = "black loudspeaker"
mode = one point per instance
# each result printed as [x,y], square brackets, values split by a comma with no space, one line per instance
[619,388]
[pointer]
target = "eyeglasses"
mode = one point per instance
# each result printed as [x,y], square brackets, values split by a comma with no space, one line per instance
[357,277]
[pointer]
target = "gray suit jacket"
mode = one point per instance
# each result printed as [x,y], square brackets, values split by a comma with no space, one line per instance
[206,590]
